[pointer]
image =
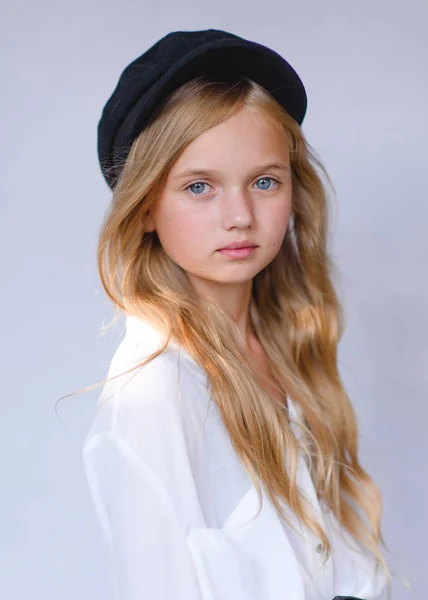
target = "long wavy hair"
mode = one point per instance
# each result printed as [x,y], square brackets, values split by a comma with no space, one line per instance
[294,312]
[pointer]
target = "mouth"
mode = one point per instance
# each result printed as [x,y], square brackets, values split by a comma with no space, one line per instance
[241,252]
[238,246]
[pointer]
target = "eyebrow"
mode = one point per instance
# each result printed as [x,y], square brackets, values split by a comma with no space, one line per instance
[211,172]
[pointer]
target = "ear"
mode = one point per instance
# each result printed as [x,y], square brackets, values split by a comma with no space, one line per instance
[150,225]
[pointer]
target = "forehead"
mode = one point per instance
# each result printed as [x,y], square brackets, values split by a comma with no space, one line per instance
[245,138]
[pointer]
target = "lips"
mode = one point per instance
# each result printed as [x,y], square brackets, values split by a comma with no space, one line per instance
[239,245]
[238,253]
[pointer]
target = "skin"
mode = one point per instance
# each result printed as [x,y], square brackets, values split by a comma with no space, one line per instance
[237,200]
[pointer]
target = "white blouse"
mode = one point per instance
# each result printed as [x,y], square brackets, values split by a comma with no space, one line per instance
[176,507]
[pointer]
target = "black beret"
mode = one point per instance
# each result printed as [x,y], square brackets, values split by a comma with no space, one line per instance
[171,62]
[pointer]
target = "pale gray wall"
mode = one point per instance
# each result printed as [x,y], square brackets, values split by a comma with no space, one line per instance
[365,68]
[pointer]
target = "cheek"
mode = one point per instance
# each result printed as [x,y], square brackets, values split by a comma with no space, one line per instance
[276,222]
[184,234]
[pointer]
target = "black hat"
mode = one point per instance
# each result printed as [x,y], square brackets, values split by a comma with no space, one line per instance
[171,62]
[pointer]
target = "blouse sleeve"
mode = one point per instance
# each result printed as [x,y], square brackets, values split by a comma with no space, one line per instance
[147,542]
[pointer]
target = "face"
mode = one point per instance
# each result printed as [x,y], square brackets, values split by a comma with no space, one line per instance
[231,184]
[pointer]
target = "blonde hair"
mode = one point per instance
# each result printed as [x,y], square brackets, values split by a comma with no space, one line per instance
[294,311]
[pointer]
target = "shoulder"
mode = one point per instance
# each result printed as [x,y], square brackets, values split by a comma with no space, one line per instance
[165,397]
[148,422]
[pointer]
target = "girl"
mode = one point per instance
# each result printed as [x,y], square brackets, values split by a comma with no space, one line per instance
[223,458]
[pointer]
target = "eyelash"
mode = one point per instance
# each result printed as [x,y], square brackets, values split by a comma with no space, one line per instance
[186,189]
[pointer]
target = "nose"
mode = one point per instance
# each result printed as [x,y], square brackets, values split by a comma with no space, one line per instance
[237,209]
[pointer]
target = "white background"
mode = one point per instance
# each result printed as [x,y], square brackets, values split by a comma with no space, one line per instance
[364,65]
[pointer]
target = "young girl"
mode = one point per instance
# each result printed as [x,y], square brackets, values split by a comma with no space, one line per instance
[223,458]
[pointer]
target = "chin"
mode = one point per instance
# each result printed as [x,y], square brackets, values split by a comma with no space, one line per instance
[237,277]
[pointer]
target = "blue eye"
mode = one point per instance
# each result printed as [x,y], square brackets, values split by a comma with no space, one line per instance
[266,179]
[197,183]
